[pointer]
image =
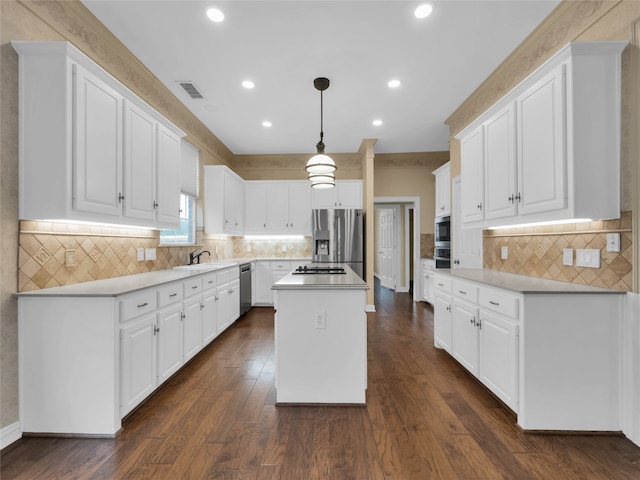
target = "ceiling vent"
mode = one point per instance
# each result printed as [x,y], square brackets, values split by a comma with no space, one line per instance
[191,89]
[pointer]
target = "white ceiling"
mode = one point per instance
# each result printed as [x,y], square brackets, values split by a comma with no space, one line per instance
[359,45]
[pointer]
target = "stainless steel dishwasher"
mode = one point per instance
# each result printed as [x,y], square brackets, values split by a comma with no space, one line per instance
[245,288]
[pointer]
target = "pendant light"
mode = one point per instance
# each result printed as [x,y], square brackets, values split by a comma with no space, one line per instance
[321,166]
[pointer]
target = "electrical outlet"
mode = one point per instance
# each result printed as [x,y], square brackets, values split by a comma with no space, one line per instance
[284,247]
[141,254]
[505,253]
[613,242]
[320,319]
[150,253]
[588,258]
[567,256]
[248,247]
[70,258]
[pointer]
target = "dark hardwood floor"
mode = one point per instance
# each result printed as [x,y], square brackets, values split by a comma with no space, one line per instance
[425,418]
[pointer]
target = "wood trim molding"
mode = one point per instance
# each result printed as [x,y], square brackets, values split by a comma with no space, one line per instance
[565,23]
[634,147]
[74,22]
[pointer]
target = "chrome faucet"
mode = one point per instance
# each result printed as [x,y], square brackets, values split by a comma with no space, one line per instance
[196,256]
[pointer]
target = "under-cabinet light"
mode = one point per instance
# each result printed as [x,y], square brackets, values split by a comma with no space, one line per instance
[542,224]
[274,237]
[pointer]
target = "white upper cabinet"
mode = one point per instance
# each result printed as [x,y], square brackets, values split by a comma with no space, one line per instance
[552,144]
[443,190]
[472,195]
[90,149]
[224,201]
[275,207]
[346,194]
[500,181]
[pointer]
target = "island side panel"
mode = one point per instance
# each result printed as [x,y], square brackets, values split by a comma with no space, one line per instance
[69,365]
[569,362]
[315,364]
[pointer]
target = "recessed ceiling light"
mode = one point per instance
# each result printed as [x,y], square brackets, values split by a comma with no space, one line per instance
[393,83]
[423,11]
[215,14]
[377,123]
[248,84]
[266,123]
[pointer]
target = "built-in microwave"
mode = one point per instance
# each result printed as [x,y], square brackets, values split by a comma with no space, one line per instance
[443,229]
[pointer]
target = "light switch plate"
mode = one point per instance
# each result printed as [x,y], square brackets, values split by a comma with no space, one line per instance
[588,258]
[141,254]
[150,253]
[567,256]
[504,254]
[70,258]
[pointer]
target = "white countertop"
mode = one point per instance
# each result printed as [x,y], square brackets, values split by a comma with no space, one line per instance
[349,280]
[522,283]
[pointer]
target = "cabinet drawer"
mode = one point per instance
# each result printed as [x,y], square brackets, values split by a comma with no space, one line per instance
[193,286]
[281,266]
[499,301]
[227,275]
[209,281]
[134,306]
[466,290]
[169,294]
[428,263]
[443,283]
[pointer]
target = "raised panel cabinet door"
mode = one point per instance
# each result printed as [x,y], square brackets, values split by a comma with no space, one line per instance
[465,335]
[233,203]
[499,357]
[168,179]
[209,317]
[542,162]
[278,208]
[349,194]
[443,190]
[255,218]
[169,342]
[300,208]
[224,300]
[466,242]
[263,283]
[234,299]
[324,198]
[443,322]
[472,162]
[139,179]
[97,139]
[191,328]
[500,181]
[137,362]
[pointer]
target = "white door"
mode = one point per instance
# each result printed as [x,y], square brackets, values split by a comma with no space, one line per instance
[97,146]
[168,180]
[465,335]
[138,368]
[386,248]
[541,145]
[472,161]
[466,242]
[139,177]
[169,342]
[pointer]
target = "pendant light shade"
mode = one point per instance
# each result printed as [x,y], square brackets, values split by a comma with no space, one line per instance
[320,165]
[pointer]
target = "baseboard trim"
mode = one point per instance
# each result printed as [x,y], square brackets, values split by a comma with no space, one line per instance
[370,308]
[9,434]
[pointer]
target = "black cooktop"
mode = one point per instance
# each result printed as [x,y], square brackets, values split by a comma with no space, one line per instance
[305,270]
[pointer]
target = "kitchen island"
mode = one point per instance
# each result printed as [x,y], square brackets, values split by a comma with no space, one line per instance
[321,337]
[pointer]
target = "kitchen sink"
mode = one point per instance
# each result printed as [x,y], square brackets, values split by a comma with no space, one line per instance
[207,266]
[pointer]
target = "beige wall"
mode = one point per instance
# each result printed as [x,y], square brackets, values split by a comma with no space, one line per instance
[537,250]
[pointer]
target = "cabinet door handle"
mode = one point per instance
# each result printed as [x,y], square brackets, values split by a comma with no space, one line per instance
[143,304]
[519,198]
[511,198]
[173,295]
[473,321]
[497,304]
[120,197]
[202,306]
[448,308]
[156,329]
[155,205]
[479,324]
[182,316]
[480,206]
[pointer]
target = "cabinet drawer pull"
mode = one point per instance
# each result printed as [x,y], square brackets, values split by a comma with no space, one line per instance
[462,292]
[497,304]
[173,295]
[210,282]
[441,284]
[143,304]
[194,287]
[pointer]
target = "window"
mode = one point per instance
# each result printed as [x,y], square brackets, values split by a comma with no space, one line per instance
[186,234]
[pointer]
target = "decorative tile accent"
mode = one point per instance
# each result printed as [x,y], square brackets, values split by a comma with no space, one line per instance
[540,251]
[41,256]
[95,254]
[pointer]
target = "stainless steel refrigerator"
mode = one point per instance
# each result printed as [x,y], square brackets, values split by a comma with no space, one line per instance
[338,237]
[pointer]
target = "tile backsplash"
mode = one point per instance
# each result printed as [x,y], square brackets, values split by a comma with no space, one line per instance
[537,252]
[104,252]
[426,245]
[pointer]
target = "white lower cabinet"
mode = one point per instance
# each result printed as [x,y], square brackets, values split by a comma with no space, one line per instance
[548,350]
[191,327]
[169,338]
[268,272]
